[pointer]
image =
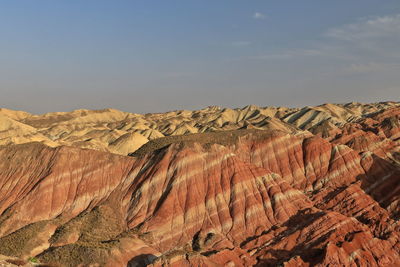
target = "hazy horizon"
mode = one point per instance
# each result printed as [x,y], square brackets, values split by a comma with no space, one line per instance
[148,57]
[200,108]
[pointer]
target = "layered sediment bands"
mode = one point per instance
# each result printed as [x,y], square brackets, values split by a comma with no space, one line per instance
[382,182]
[307,163]
[214,192]
[246,197]
[40,183]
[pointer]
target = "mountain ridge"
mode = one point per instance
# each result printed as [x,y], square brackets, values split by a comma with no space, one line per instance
[100,129]
[260,192]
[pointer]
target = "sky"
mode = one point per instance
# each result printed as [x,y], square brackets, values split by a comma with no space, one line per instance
[156,56]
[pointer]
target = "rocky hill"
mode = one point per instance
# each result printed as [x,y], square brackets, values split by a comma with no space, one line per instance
[121,132]
[313,186]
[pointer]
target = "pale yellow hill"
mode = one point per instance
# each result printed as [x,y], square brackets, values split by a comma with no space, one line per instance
[14,114]
[127,143]
[122,132]
[14,132]
[309,117]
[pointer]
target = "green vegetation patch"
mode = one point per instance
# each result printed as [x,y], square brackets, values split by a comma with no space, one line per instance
[102,223]
[222,137]
[75,255]
[22,240]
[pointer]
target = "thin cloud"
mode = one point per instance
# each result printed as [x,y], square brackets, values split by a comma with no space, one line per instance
[241,43]
[377,27]
[371,67]
[370,39]
[378,36]
[366,67]
[289,54]
[258,15]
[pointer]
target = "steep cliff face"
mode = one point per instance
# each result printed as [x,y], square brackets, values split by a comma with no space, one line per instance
[233,198]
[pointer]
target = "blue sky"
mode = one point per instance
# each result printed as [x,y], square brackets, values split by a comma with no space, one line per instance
[154,56]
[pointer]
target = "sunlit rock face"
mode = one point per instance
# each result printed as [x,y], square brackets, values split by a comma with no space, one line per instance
[122,132]
[318,186]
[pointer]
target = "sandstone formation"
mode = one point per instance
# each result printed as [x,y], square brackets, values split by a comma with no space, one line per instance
[317,186]
[115,131]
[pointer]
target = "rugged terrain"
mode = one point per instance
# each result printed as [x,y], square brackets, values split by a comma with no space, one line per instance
[313,186]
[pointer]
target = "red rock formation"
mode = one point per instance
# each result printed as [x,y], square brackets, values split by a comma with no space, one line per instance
[247,198]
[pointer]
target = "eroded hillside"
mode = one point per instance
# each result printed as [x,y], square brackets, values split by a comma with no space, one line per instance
[315,186]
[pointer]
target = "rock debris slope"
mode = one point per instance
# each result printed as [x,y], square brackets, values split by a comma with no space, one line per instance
[318,186]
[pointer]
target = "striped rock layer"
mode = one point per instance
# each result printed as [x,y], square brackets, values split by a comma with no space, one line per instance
[234,198]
